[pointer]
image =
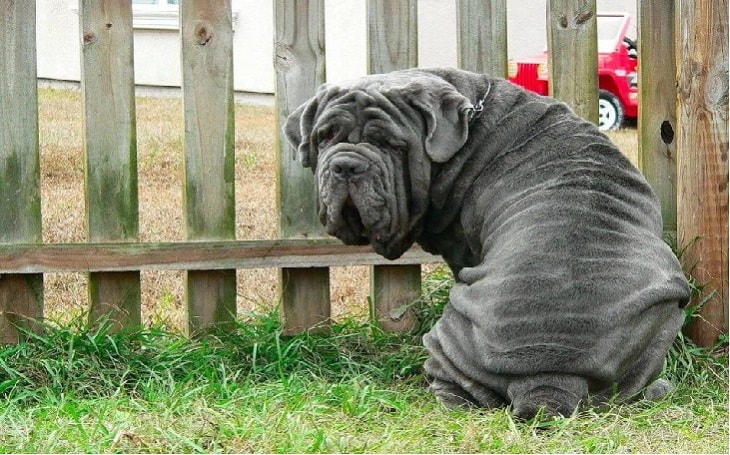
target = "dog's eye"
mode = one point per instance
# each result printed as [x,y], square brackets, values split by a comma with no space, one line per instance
[326,137]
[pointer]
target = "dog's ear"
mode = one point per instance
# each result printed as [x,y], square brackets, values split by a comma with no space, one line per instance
[446,114]
[299,125]
[298,129]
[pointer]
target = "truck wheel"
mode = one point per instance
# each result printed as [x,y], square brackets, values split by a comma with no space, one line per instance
[610,111]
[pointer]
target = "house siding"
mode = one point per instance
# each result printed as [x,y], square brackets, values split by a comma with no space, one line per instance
[157,52]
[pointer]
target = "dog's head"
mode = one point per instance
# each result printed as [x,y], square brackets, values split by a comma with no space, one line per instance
[371,143]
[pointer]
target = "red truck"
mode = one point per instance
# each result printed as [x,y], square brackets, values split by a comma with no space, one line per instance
[618,96]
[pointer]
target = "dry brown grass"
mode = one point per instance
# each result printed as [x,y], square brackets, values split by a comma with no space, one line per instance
[160,133]
[627,140]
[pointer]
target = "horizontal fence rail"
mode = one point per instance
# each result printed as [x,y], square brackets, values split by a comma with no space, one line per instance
[202,255]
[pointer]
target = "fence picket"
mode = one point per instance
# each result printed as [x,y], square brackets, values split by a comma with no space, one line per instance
[657,120]
[300,64]
[702,174]
[573,56]
[393,45]
[482,36]
[21,295]
[207,55]
[110,146]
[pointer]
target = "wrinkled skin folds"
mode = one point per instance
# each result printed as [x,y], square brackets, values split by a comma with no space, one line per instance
[565,292]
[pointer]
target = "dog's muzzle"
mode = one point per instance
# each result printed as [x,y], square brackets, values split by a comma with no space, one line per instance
[347,165]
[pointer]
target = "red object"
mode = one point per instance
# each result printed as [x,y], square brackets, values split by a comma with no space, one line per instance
[617,62]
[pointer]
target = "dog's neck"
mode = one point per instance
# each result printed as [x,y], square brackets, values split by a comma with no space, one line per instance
[476,112]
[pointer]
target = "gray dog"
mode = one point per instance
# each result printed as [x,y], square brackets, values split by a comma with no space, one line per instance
[564,288]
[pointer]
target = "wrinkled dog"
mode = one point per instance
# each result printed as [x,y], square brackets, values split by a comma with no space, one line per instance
[565,291]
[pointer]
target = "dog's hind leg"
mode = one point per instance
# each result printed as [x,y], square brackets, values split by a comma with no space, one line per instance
[453,396]
[454,390]
[554,394]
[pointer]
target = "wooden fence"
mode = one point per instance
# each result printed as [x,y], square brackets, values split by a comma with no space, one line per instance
[685,125]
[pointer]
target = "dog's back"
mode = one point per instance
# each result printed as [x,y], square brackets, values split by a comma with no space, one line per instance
[571,286]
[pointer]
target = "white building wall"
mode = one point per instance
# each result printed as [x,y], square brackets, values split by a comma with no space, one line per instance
[157,52]
[57,40]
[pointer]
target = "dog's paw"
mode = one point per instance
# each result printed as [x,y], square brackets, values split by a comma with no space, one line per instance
[658,389]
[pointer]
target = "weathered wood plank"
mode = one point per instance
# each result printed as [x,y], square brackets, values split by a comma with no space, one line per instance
[211,288]
[702,149]
[21,296]
[115,298]
[22,302]
[300,69]
[573,55]
[110,148]
[306,300]
[207,59]
[392,45]
[396,289]
[482,36]
[392,35]
[658,109]
[212,255]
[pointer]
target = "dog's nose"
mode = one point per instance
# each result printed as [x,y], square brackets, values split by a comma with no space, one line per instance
[346,166]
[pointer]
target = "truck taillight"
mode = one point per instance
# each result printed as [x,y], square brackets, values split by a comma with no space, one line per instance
[512,68]
[542,71]
[633,79]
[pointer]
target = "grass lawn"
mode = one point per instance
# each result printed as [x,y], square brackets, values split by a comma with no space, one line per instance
[357,389]
[72,388]
[255,391]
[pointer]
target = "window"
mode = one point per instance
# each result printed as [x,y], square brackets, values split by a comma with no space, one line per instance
[155,2]
[156,14]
